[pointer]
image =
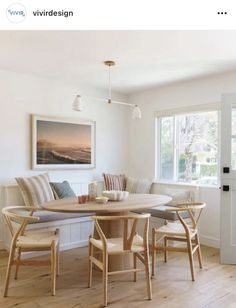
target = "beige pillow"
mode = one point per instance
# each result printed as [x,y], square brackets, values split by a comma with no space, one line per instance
[35,190]
[138,186]
[178,195]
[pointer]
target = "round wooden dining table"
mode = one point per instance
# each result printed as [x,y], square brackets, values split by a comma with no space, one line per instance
[111,229]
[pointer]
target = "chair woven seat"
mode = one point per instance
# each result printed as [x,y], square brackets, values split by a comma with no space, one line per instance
[115,245]
[174,228]
[37,239]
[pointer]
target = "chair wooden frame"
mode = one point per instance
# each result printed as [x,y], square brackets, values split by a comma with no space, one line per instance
[127,240]
[188,235]
[22,221]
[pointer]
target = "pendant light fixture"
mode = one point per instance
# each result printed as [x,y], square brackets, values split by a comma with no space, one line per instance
[78,104]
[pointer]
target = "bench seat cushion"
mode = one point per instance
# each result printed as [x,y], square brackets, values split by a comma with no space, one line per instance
[160,212]
[46,216]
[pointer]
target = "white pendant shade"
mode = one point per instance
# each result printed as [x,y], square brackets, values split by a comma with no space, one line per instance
[136,114]
[77,104]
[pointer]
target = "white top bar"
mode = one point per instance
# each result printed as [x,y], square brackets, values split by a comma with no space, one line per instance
[122,14]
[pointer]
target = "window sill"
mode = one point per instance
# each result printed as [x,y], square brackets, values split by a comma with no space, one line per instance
[186,184]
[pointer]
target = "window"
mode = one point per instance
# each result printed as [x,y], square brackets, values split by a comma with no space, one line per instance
[188,148]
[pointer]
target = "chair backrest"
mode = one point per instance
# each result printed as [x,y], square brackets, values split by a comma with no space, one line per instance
[130,223]
[194,210]
[17,214]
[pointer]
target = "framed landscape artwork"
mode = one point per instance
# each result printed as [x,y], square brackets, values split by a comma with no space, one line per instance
[62,143]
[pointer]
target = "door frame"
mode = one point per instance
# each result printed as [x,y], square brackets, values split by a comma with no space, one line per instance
[227,247]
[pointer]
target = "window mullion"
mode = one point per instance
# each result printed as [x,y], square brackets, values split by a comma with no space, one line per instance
[158,148]
[175,149]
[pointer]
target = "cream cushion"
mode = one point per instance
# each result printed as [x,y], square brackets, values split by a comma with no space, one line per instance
[138,186]
[35,190]
[178,195]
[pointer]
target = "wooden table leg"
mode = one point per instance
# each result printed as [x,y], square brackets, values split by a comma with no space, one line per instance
[113,229]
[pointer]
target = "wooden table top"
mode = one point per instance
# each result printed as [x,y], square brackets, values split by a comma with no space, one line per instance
[133,202]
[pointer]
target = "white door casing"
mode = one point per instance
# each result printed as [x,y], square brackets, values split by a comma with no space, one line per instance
[228,181]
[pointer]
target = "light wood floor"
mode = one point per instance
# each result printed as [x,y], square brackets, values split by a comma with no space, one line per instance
[215,285]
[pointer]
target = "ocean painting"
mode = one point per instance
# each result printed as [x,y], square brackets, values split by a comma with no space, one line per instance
[63,144]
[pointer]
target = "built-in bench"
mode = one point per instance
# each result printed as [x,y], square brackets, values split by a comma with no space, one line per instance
[76,228]
[159,214]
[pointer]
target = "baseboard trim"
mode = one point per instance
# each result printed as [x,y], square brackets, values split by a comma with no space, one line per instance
[209,241]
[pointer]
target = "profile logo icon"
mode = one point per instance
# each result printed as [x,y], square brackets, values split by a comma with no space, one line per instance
[16,13]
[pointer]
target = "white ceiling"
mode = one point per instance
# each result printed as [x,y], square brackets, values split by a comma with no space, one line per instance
[144,59]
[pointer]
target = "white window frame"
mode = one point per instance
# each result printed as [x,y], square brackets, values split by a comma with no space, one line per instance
[176,112]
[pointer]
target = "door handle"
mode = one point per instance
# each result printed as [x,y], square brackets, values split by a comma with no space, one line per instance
[226,170]
[225,187]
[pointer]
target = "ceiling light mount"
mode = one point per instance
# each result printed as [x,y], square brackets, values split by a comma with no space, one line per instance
[109,63]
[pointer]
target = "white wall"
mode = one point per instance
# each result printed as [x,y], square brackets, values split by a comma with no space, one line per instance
[22,95]
[142,135]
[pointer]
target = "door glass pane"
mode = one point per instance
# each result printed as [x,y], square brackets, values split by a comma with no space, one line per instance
[167,148]
[234,121]
[197,148]
[233,141]
[233,153]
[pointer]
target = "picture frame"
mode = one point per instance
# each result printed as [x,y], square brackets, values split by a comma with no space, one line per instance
[62,143]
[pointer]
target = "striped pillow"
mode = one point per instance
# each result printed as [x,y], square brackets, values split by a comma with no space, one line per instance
[35,190]
[114,182]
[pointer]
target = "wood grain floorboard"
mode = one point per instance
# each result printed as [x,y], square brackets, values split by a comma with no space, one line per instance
[215,285]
